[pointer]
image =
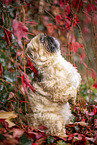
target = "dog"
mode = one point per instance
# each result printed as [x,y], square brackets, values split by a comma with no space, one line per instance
[56,86]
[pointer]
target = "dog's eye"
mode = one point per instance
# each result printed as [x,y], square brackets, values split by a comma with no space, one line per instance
[42,40]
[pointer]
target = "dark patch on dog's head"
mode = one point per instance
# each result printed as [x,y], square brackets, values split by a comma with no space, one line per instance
[50,43]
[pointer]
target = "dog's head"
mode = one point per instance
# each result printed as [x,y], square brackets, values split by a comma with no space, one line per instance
[42,47]
[49,43]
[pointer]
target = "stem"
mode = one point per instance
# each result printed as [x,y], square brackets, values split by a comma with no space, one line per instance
[94,40]
[85,47]
[23,11]
[23,20]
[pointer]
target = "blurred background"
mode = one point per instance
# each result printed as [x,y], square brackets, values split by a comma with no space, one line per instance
[72,22]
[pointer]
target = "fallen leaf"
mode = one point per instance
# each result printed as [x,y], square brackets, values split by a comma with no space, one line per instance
[8,116]
[81,123]
[17,133]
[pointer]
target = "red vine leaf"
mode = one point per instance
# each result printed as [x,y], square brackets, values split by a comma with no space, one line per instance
[82,56]
[1,70]
[93,7]
[74,46]
[89,8]
[62,3]
[85,64]
[95,85]
[76,21]
[58,18]
[20,30]
[95,110]
[26,82]
[7,1]
[7,34]
[50,28]
[75,3]
[82,46]
[29,63]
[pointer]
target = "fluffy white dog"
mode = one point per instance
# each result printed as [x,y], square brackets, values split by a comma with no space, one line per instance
[57,85]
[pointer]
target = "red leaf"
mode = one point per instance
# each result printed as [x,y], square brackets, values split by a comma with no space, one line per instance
[29,63]
[94,8]
[26,82]
[2,120]
[7,1]
[38,136]
[6,125]
[95,1]
[20,30]
[62,3]
[82,56]
[34,69]
[95,85]
[1,70]
[76,21]
[70,137]
[74,46]
[75,65]
[81,4]
[68,10]
[50,28]
[32,88]
[86,30]
[83,120]
[82,46]
[89,8]
[7,36]
[58,18]
[70,46]
[42,127]
[75,2]
[95,110]
[85,64]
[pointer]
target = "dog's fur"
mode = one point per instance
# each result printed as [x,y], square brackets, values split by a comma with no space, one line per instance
[58,84]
